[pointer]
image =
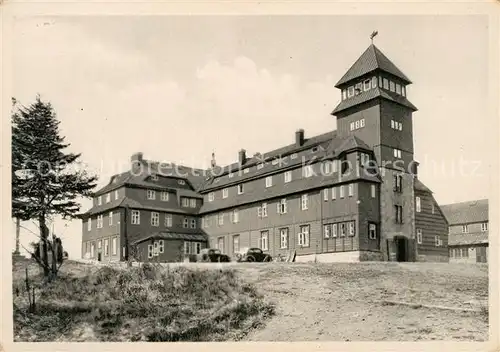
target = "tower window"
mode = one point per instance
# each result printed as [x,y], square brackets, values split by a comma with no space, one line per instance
[386,83]
[367,85]
[398,88]
[392,87]
[374,82]
[403,91]
[350,92]
[344,94]
[397,153]
[357,88]
[380,81]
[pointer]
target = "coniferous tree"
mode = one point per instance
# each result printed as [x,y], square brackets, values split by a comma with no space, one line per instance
[46,180]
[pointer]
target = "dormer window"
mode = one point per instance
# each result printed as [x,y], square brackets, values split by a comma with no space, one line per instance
[246,171]
[374,82]
[260,166]
[154,177]
[293,156]
[398,88]
[386,83]
[350,92]
[344,94]
[231,175]
[358,88]
[392,86]
[314,150]
[367,85]
[181,182]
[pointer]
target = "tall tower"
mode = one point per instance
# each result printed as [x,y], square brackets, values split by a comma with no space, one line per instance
[375,108]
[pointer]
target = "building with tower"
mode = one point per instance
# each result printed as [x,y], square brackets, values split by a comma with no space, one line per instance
[351,194]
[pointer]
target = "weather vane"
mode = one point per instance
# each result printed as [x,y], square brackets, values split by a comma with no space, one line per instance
[374,33]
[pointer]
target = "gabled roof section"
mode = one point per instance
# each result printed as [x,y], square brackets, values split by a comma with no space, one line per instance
[371,60]
[371,94]
[350,143]
[419,186]
[170,235]
[466,212]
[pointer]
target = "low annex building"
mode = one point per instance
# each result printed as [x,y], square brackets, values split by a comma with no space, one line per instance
[350,194]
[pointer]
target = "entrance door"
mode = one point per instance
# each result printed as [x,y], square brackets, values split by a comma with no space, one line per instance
[401,249]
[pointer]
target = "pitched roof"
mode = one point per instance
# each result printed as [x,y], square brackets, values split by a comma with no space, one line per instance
[168,235]
[419,186]
[371,60]
[371,94]
[350,143]
[466,212]
[467,238]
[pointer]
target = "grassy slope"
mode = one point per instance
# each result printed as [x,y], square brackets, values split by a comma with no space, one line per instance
[150,303]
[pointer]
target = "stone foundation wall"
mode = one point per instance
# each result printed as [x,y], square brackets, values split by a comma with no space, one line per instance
[433,258]
[367,256]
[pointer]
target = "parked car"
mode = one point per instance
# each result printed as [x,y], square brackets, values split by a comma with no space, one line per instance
[252,255]
[212,255]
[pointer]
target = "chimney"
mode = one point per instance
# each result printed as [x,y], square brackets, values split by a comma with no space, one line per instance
[212,162]
[299,137]
[136,159]
[242,156]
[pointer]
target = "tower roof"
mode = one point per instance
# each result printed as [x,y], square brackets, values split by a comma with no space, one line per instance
[371,60]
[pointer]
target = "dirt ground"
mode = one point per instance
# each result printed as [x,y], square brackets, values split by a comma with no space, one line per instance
[354,302]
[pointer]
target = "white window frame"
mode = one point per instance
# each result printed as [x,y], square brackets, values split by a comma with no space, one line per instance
[362,123]
[465,228]
[372,231]
[326,195]
[196,247]
[114,245]
[89,224]
[334,193]
[150,194]
[351,126]
[225,193]
[264,240]
[231,175]
[288,176]
[155,218]
[304,202]
[110,218]
[236,243]
[334,230]
[341,191]
[386,83]
[282,206]
[308,171]
[185,223]
[418,204]
[99,200]
[241,189]
[343,229]
[164,196]
[419,236]
[187,247]
[269,181]
[373,191]
[116,194]
[293,156]
[484,226]
[185,202]
[398,88]
[351,228]
[367,84]
[374,82]
[161,246]
[392,86]
[327,230]
[168,220]
[397,153]
[135,217]
[403,91]
[350,91]
[264,210]
[260,166]
[150,251]
[108,197]
[236,216]
[106,247]
[100,221]
[211,196]
[192,202]
[303,236]
[181,182]
[220,217]
[192,223]
[350,189]
[437,241]
[284,238]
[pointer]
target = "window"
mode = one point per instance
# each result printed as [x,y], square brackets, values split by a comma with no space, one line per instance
[185,223]
[99,200]
[264,210]
[372,231]
[185,202]
[150,251]
[325,194]
[433,208]
[110,218]
[197,247]
[288,176]
[386,83]
[269,181]
[168,220]
[154,177]
[220,244]
[161,246]
[108,197]
[240,188]
[236,216]
[356,124]
[334,193]
[392,87]
[373,191]
[465,228]
[193,223]
[99,244]
[307,171]
[304,199]
[398,88]
[106,247]
[342,229]
[164,196]
[155,219]
[236,243]
[344,94]
[225,193]
[341,191]
[419,236]
[114,245]
[221,219]
[418,204]
[181,182]
[192,203]
[303,236]
[367,84]
[398,183]
[116,194]
[398,210]
[211,197]
[437,241]
[397,153]
[379,81]
[334,230]
[351,126]
[352,229]
[92,248]
[293,156]
[282,207]
[187,247]
[357,88]
[283,238]
[275,161]
[362,123]
[246,171]
[403,91]
[326,230]
[350,91]
[264,240]
[99,221]
[350,189]
[396,125]
[231,175]
[374,82]
[484,227]
[150,194]
[260,166]
[89,224]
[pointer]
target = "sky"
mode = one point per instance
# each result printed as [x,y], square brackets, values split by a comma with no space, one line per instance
[178,88]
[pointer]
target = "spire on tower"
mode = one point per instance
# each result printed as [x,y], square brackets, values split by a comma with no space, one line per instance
[374,33]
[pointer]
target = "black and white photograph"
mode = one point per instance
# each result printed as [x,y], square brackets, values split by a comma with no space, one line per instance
[327,177]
